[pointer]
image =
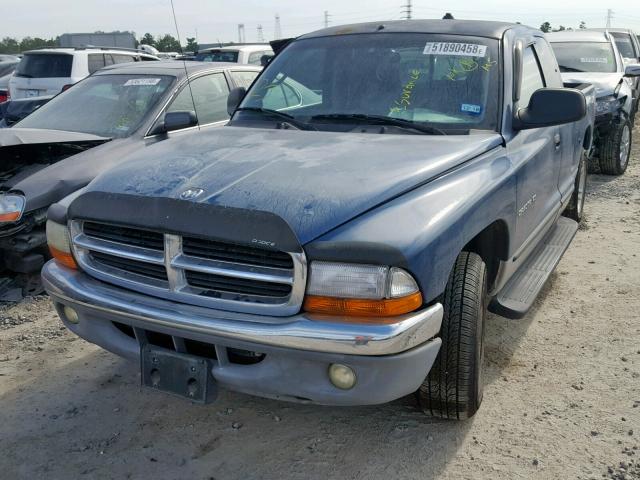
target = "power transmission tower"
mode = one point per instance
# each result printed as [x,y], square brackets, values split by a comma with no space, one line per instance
[277,31]
[260,34]
[609,17]
[326,19]
[407,10]
[241,33]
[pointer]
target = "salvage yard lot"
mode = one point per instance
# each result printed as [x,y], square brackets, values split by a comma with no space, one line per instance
[562,398]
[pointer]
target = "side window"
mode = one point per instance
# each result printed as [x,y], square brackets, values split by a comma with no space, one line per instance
[549,64]
[108,59]
[120,58]
[531,77]
[210,94]
[95,62]
[244,79]
[254,58]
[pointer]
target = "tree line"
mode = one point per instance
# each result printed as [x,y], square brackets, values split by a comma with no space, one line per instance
[164,43]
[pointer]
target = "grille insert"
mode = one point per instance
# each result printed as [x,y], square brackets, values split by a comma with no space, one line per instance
[229,252]
[125,235]
[218,283]
[139,268]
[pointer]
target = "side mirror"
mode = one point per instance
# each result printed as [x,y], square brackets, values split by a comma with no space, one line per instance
[632,70]
[235,97]
[179,120]
[551,106]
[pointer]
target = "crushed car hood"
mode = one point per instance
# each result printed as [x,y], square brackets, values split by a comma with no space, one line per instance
[315,181]
[604,83]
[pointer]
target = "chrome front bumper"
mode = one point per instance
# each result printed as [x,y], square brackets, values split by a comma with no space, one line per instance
[307,332]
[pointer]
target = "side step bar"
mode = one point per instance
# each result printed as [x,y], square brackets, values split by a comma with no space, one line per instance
[518,295]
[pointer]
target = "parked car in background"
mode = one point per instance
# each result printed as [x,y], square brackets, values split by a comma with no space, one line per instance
[89,129]
[593,57]
[50,70]
[247,54]
[12,111]
[8,64]
[338,248]
[628,44]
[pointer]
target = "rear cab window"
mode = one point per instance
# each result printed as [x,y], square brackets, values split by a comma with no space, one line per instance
[45,65]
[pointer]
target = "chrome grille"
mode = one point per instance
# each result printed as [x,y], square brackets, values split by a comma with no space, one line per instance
[210,273]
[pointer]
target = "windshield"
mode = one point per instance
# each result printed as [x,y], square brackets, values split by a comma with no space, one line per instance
[45,65]
[443,81]
[111,106]
[218,56]
[585,57]
[623,42]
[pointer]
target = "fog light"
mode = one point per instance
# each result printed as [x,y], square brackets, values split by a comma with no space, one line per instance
[342,376]
[71,315]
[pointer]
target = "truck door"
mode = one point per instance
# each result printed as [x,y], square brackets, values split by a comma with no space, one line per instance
[536,155]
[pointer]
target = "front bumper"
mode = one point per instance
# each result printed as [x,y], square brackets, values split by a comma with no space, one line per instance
[390,361]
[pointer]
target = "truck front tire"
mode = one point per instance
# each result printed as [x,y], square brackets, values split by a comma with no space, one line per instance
[453,388]
[616,149]
[575,208]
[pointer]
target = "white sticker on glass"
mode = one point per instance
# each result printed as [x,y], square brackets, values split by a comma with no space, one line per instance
[137,82]
[594,60]
[458,49]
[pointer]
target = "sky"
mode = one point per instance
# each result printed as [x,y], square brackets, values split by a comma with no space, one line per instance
[214,20]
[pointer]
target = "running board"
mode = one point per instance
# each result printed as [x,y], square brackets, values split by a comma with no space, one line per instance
[517,296]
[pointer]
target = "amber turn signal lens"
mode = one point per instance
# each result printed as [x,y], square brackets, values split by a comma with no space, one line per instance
[63,258]
[10,217]
[357,307]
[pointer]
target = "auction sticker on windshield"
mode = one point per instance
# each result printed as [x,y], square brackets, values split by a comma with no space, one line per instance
[594,60]
[138,82]
[452,48]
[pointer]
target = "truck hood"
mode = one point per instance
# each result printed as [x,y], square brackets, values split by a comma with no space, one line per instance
[315,181]
[32,136]
[604,83]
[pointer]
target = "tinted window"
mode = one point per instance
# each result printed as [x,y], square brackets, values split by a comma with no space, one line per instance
[623,42]
[218,56]
[95,62]
[442,80]
[106,105]
[244,79]
[585,57]
[45,65]
[210,94]
[531,77]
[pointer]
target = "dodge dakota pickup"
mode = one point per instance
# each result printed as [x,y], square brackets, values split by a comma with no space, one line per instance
[379,187]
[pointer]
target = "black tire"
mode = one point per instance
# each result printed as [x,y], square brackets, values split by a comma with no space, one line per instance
[453,388]
[616,149]
[575,209]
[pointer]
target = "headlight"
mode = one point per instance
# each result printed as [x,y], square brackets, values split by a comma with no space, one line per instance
[606,105]
[11,207]
[59,242]
[360,290]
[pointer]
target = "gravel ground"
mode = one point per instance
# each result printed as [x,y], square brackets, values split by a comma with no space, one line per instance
[562,399]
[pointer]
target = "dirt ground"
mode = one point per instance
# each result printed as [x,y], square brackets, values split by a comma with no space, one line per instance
[562,399]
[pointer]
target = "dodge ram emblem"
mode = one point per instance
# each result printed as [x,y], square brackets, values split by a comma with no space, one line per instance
[191,193]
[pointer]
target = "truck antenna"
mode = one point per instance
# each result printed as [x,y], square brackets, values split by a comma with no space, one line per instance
[184,63]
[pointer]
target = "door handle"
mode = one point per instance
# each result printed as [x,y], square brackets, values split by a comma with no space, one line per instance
[557,140]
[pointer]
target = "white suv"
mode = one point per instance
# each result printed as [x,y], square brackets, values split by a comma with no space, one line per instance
[245,54]
[51,70]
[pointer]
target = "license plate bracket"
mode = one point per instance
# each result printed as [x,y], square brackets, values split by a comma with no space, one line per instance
[181,374]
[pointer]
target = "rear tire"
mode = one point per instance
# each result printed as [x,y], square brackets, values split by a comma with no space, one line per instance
[453,388]
[575,208]
[616,149]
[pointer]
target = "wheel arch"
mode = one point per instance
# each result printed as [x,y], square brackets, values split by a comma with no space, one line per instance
[492,245]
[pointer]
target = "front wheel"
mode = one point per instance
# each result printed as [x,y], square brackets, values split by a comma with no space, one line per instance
[453,388]
[615,149]
[575,208]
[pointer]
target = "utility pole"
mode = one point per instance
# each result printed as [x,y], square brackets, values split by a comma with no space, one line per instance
[277,31]
[260,34]
[609,17]
[407,10]
[241,33]
[326,19]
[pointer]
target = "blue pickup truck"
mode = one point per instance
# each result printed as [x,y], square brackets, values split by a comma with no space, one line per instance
[379,187]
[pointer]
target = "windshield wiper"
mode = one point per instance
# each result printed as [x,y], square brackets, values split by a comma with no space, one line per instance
[570,69]
[275,113]
[381,120]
